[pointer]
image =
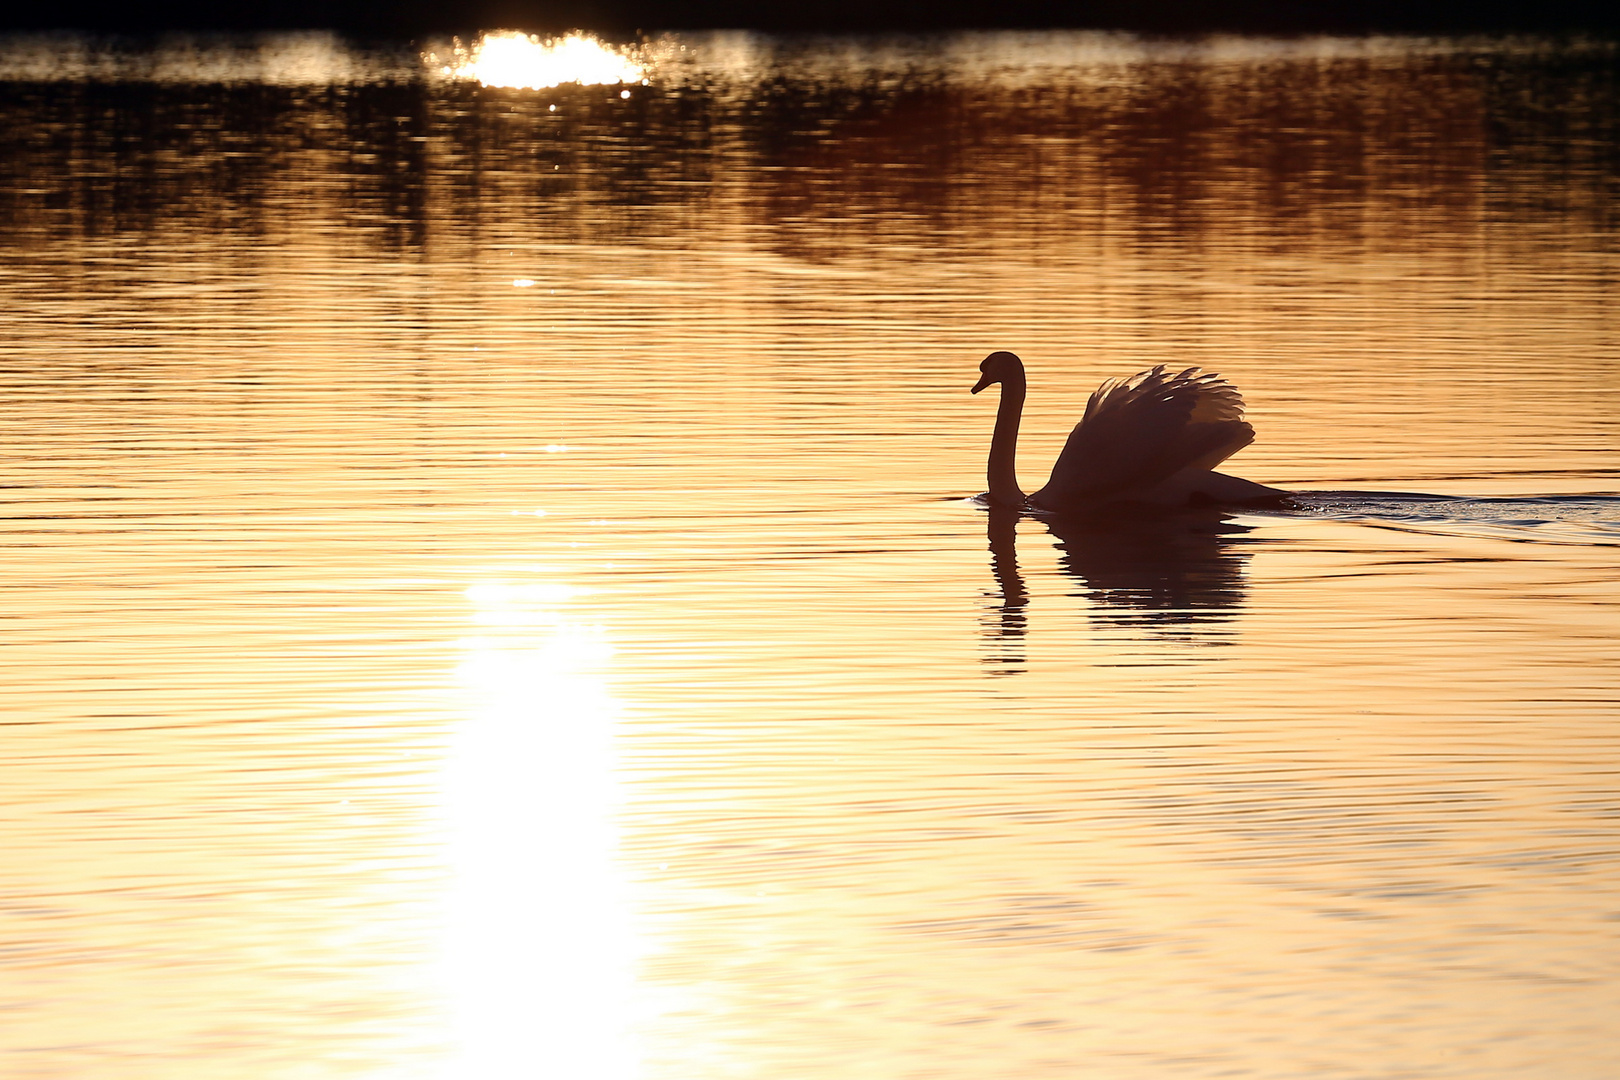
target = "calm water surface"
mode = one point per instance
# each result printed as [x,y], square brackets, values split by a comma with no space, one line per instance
[490,589]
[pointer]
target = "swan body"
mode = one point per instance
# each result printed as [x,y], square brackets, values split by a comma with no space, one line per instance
[1153,438]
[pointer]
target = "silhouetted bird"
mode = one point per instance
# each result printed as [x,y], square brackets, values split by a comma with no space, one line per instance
[1153,438]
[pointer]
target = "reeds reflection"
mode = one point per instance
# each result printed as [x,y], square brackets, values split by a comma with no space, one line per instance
[1378,143]
[1171,575]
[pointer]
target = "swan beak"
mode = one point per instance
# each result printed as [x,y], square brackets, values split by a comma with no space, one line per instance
[984,381]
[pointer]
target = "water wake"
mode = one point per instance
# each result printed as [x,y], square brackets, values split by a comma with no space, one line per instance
[1547,519]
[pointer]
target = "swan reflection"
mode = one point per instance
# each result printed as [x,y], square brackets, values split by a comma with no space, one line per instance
[1007,620]
[1174,575]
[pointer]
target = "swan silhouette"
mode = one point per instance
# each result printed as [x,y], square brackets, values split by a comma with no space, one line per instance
[1154,438]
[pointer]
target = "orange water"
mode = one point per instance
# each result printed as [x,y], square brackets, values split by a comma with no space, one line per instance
[490,589]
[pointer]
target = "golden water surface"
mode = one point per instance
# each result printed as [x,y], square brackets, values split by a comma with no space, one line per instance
[490,592]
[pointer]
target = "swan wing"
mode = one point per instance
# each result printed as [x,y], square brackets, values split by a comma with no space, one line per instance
[1140,430]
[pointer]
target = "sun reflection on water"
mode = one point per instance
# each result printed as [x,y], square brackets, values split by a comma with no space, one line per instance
[542,947]
[522,61]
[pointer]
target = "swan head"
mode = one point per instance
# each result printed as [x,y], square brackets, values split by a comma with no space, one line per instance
[999,367]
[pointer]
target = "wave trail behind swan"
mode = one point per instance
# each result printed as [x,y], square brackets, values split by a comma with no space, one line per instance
[1548,519]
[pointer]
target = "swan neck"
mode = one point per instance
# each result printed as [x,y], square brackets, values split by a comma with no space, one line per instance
[1001,471]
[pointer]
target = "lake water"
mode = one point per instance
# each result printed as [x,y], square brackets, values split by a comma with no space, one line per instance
[491,588]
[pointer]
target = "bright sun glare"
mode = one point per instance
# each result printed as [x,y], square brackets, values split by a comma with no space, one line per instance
[529,62]
[541,941]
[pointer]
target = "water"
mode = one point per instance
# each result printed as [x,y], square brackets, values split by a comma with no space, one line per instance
[492,589]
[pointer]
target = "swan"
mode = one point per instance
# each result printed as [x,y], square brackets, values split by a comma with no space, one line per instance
[1153,438]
